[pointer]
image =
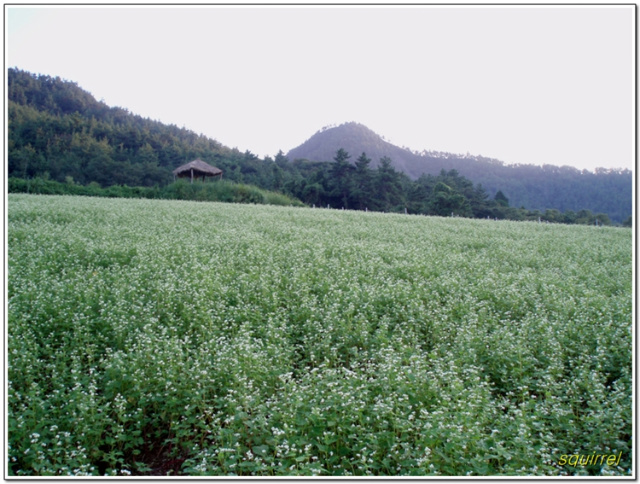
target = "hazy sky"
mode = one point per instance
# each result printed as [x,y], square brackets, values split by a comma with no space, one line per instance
[523,84]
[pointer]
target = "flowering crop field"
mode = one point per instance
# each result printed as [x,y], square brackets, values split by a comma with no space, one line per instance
[150,337]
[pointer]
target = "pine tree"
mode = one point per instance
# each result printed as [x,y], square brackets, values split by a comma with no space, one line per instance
[363,184]
[341,179]
[501,199]
[387,185]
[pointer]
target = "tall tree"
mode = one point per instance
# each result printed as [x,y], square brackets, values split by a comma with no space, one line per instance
[447,201]
[363,183]
[281,160]
[501,199]
[341,179]
[387,185]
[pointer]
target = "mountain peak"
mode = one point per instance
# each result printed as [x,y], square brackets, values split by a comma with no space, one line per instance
[355,138]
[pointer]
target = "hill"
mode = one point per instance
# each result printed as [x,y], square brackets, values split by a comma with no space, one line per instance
[534,187]
[57,131]
[355,138]
[59,134]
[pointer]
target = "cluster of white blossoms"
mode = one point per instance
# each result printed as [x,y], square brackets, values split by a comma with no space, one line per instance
[149,336]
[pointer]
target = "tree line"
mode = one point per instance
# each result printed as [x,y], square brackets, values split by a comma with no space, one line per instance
[357,186]
[59,132]
[535,187]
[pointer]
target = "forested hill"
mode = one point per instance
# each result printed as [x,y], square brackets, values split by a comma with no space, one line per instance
[356,138]
[59,133]
[59,129]
[534,187]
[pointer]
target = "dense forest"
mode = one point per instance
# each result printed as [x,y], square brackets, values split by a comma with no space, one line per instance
[62,134]
[534,187]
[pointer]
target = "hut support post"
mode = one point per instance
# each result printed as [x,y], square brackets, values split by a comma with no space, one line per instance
[191,175]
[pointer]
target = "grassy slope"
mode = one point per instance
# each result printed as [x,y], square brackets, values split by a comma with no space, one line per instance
[218,191]
[205,338]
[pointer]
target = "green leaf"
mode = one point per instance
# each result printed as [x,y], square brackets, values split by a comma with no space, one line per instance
[260,449]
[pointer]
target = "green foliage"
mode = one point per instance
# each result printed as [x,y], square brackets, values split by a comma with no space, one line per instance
[387,186]
[363,188]
[57,127]
[534,187]
[341,179]
[216,191]
[155,337]
[59,131]
[501,199]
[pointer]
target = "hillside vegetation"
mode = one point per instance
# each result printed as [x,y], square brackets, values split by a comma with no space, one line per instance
[155,337]
[219,191]
[61,133]
[57,129]
[562,188]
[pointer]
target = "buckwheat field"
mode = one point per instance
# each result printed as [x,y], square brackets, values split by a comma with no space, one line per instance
[152,337]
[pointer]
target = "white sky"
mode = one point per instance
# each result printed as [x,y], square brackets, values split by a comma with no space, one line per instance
[523,84]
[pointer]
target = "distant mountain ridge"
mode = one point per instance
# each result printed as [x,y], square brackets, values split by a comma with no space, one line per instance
[531,186]
[58,131]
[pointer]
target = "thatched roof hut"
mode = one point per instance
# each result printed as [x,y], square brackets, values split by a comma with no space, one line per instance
[197,168]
